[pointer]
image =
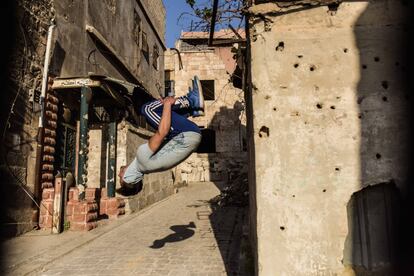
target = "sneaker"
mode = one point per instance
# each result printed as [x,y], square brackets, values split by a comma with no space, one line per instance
[197,113]
[195,96]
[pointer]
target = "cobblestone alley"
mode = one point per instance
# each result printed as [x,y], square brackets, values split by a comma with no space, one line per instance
[179,236]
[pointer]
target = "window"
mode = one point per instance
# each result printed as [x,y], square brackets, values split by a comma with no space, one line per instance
[145,48]
[137,28]
[208,141]
[169,84]
[155,57]
[208,89]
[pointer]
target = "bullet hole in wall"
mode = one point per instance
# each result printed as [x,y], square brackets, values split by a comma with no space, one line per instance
[300,56]
[281,46]
[384,84]
[282,228]
[293,195]
[312,68]
[267,97]
[264,132]
[345,50]
[360,115]
[274,109]
[296,65]
[376,59]
[378,156]
[364,66]
[385,99]
[319,105]
[337,169]
[333,107]
[324,190]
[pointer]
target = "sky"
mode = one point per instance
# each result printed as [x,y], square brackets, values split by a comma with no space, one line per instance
[173,29]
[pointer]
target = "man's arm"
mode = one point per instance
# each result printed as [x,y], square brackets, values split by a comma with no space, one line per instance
[164,127]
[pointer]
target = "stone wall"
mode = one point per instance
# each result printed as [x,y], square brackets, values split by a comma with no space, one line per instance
[25,42]
[155,186]
[224,115]
[156,11]
[329,109]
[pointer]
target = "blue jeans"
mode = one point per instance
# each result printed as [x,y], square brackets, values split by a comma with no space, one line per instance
[183,139]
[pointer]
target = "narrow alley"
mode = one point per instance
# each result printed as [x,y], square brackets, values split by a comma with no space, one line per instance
[181,235]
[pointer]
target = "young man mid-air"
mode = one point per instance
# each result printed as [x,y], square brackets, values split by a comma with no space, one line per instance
[175,139]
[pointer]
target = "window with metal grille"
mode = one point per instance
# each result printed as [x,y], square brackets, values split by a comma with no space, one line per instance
[145,47]
[137,28]
[208,141]
[208,89]
[155,57]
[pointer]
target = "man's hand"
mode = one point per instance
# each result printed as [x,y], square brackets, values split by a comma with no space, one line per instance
[164,127]
[168,100]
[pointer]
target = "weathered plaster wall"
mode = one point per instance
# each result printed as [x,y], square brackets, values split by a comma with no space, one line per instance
[225,115]
[329,111]
[77,53]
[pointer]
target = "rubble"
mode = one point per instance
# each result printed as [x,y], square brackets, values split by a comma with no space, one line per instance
[236,193]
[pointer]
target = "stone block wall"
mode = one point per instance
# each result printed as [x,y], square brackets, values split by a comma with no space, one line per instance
[329,112]
[155,186]
[224,115]
[25,36]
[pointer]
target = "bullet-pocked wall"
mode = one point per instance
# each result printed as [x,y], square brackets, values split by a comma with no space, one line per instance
[330,120]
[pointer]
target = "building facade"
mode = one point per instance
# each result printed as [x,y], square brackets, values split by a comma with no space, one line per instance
[222,152]
[110,51]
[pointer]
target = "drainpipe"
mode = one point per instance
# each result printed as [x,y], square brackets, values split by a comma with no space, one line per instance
[39,147]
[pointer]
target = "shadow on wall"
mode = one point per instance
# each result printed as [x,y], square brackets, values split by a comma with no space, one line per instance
[380,219]
[229,209]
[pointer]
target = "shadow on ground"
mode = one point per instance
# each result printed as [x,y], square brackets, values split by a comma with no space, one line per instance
[182,232]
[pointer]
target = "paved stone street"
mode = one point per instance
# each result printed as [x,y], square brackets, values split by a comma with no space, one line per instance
[180,236]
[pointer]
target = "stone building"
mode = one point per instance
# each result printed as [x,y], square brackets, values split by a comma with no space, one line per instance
[222,151]
[106,58]
[328,135]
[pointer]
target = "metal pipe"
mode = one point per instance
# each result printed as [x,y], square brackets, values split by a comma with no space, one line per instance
[45,73]
[40,133]
[86,95]
[180,62]
[213,22]
[110,181]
